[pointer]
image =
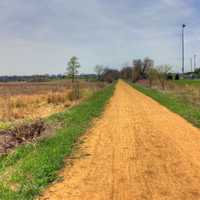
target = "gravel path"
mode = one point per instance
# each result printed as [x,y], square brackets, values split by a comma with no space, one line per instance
[138,150]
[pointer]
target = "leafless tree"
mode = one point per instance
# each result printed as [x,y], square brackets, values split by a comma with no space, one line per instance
[110,75]
[163,70]
[137,69]
[126,72]
[147,64]
[99,70]
[152,74]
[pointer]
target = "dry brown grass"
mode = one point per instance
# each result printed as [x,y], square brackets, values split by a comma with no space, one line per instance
[22,101]
[22,106]
[187,93]
[56,98]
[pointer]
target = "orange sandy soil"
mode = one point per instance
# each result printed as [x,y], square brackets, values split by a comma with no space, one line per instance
[138,150]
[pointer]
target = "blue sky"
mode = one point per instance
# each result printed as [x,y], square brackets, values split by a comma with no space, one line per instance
[39,36]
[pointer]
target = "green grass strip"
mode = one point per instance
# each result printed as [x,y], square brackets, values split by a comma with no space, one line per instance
[29,169]
[187,82]
[175,104]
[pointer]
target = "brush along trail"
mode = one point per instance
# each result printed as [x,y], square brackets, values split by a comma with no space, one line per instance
[138,150]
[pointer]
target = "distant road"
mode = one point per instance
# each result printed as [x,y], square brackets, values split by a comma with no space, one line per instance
[138,150]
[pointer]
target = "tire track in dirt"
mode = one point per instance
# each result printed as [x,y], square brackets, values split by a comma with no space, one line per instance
[138,150]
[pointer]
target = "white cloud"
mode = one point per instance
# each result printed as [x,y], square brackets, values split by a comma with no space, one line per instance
[37,37]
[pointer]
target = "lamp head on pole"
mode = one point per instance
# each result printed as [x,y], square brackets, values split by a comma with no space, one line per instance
[183,25]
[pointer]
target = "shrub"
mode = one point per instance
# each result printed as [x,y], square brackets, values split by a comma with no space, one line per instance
[56,98]
[177,77]
[72,95]
[169,76]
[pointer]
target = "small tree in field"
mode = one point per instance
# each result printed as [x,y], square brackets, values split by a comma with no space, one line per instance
[72,69]
[163,70]
[152,74]
[99,69]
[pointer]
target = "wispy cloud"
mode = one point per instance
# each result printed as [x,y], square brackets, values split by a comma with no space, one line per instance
[39,36]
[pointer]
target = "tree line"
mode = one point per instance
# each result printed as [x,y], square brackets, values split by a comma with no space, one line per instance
[140,70]
[31,78]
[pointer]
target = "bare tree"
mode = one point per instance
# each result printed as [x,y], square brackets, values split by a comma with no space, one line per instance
[126,72]
[72,69]
[140,68]
[99,70]
[109,75]
[152,74]
[163,70]
[147,64]
[137,69]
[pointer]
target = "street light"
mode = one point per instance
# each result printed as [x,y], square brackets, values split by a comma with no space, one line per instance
[183,49]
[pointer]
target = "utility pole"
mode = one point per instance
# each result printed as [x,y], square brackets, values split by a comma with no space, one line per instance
[183,49]
[191,64]
[195,61]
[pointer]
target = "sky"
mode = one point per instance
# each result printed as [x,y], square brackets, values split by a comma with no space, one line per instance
[40,36]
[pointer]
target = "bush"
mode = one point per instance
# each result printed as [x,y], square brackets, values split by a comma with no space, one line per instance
[17,103]
[74,94]
[56,98]
[109,75]
[169,76]
[177,77]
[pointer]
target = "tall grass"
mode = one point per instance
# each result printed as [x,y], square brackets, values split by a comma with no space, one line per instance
[185,90]
[22,101]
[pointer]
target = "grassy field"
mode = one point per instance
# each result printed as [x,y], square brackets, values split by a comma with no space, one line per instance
[188,82]
[23,101]
[30,168]
[184,108]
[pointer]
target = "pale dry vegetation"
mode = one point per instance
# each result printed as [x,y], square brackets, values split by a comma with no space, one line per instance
[188,93]
[30,101]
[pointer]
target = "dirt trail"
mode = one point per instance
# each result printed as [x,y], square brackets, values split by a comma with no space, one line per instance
[138,150]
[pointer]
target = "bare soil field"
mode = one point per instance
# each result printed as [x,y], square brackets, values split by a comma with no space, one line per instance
[137,150]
